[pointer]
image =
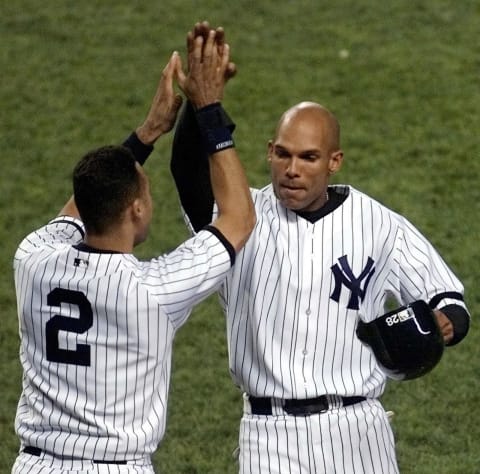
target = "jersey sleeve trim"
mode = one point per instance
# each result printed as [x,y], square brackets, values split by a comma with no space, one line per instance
[453,295]
[225,242]
[66,220]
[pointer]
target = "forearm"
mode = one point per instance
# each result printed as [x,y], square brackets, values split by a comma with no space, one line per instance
[203,86]
[140,149]
[236,213]
[161,116]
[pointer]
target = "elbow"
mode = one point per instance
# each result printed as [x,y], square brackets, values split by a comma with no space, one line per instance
[237,225]
[249,221]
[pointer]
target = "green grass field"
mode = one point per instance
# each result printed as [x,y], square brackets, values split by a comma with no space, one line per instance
[402,76]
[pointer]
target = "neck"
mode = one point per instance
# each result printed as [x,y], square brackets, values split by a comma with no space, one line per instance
[323,202]
[326,197]
[113,241]
[326,207]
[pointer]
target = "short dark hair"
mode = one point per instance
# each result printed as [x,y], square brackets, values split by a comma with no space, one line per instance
[105,183]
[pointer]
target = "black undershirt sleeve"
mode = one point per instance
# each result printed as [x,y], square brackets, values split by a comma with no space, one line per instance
[190,170]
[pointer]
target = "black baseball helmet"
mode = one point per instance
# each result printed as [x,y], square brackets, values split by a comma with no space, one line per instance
[407,341]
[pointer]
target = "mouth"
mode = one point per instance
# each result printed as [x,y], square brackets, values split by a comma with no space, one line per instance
[291,195]
[290,188]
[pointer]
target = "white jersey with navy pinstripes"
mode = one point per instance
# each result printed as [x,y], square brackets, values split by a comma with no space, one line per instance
[297,289]
[96,339]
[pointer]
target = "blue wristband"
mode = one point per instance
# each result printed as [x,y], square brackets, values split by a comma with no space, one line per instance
[214,130]
[138,148]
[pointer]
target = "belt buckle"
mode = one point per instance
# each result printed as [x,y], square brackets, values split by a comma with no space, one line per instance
[308,407]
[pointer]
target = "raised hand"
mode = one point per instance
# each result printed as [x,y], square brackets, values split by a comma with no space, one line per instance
[207,66]
[165,105]
[203,29]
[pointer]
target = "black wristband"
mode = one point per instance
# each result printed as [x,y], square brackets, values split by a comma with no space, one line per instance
[460,320]
[138,148]
[214,129]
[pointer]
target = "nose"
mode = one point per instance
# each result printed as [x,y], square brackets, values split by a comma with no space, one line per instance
[292,168]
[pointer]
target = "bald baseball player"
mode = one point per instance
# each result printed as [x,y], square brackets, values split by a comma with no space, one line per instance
[97,324]
[321,257]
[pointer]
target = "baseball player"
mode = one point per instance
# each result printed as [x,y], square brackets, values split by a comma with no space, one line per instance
[96,324]
[321,257]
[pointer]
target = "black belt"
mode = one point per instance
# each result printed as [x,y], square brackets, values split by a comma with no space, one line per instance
[309,406]
[38,452]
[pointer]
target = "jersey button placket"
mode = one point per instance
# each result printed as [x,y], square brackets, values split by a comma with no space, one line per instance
[308,270]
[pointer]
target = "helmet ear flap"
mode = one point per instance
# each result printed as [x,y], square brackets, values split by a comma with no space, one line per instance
[407,341]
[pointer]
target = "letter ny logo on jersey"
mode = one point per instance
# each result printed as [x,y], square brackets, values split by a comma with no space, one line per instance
[344,276]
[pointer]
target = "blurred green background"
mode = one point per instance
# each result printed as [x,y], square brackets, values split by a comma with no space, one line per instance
[403,79]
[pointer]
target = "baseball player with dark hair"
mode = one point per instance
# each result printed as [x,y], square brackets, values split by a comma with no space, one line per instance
[96,324]
[321,259]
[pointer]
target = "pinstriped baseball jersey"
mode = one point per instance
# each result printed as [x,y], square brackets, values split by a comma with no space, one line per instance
[97,332]
[295,294]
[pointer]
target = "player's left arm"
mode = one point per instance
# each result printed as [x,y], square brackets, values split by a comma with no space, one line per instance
[428,277]
[160,118]
[159,121]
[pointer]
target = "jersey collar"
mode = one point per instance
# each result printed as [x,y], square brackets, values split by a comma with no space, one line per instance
[83,247]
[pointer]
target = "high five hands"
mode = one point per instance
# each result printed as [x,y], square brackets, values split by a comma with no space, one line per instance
[209,69]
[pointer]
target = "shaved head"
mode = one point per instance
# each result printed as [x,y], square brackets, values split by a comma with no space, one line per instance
[303,155]
[315,116]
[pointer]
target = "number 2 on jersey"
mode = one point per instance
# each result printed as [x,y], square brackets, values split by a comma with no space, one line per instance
[81,355]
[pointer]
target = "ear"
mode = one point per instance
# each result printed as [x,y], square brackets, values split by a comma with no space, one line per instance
[137,208]
[336,160]
[270,150]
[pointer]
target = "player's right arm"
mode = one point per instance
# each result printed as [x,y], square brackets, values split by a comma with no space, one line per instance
[189,162]
[203,85]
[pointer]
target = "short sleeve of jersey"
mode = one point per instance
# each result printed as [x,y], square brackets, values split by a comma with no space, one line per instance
[187,275]
[189,224]
[423,272]
[59,231]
